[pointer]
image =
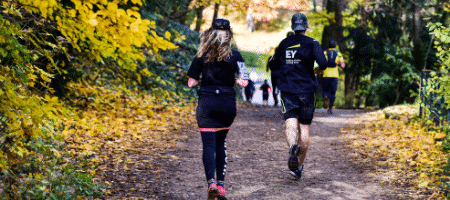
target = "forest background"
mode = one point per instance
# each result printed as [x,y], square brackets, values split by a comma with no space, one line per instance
[81,76]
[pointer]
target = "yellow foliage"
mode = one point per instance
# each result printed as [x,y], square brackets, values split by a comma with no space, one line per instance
[118,119]
[113,118]
[399,143]
[24,114]
[104,32]
[107,32]
[447,7]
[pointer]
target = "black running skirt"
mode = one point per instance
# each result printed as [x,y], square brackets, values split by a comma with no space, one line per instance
[216,108]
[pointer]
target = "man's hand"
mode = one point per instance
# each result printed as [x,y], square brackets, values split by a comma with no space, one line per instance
[318,71]
[342,65]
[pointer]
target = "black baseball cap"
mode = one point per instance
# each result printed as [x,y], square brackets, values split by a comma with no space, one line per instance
[299,22]
[221,24]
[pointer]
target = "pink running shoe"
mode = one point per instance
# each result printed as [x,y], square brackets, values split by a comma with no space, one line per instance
[221,193]
[213,192]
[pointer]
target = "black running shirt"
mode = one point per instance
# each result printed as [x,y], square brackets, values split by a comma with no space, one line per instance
[218,73]
[294,63]
[265,88]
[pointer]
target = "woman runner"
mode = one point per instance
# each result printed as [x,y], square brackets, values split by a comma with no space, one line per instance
[218,64]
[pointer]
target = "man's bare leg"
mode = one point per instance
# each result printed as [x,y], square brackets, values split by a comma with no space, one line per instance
[292,131]
[298,153]
[303,141]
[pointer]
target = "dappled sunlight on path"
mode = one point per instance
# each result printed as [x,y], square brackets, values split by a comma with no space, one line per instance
[257,162]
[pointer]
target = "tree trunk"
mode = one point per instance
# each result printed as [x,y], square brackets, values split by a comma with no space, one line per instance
[324,5]
[397,92]
[335,31]
[216,9]
[198,23]
[329,31]
[350,83]
[349,91]
[330,5]
[358,99]
[314,6]
[418,51]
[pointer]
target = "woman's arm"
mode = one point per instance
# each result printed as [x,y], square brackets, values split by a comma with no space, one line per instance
[194,72]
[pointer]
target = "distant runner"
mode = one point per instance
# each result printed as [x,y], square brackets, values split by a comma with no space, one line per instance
[294,60]
[218,64]
[265,92]
[249,90]
[331,76]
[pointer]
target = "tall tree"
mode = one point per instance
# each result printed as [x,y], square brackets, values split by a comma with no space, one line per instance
[335,31]
[419,50]
[397,50]
[328,34]
[216,9]
[329,31]
[351,81]
[198,22]
[314,5]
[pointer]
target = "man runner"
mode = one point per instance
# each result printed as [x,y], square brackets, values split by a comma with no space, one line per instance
[331,76]
[294,60]
[265,87]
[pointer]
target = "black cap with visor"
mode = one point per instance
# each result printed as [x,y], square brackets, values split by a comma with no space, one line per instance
[299,22]
[221,24]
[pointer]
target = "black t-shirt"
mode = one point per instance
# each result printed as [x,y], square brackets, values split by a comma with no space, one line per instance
[265,88]
[293,62]
[250,88]
[332,55]
[218,73]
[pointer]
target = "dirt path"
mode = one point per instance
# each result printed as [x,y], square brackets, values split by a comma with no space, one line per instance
[257,160]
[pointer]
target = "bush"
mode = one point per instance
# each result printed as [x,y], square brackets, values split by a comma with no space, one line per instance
[50,173]
[168,69]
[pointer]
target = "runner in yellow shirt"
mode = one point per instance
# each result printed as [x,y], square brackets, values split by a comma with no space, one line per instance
[330,76]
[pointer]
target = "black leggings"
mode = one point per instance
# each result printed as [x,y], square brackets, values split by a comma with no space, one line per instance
[215,154]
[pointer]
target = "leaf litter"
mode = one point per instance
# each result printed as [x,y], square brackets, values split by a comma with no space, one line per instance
[401,150]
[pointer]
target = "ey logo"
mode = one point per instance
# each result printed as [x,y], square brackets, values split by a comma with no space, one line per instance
[290,53]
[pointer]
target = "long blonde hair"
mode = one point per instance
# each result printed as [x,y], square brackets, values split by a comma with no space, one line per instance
[216,44]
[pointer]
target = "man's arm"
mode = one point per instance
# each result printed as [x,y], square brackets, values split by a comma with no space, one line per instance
[275,61]
[320,58]
[340,61]
[342,64]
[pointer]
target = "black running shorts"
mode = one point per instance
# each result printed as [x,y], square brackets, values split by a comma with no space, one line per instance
[265,96]
[216,107]
[300,106]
